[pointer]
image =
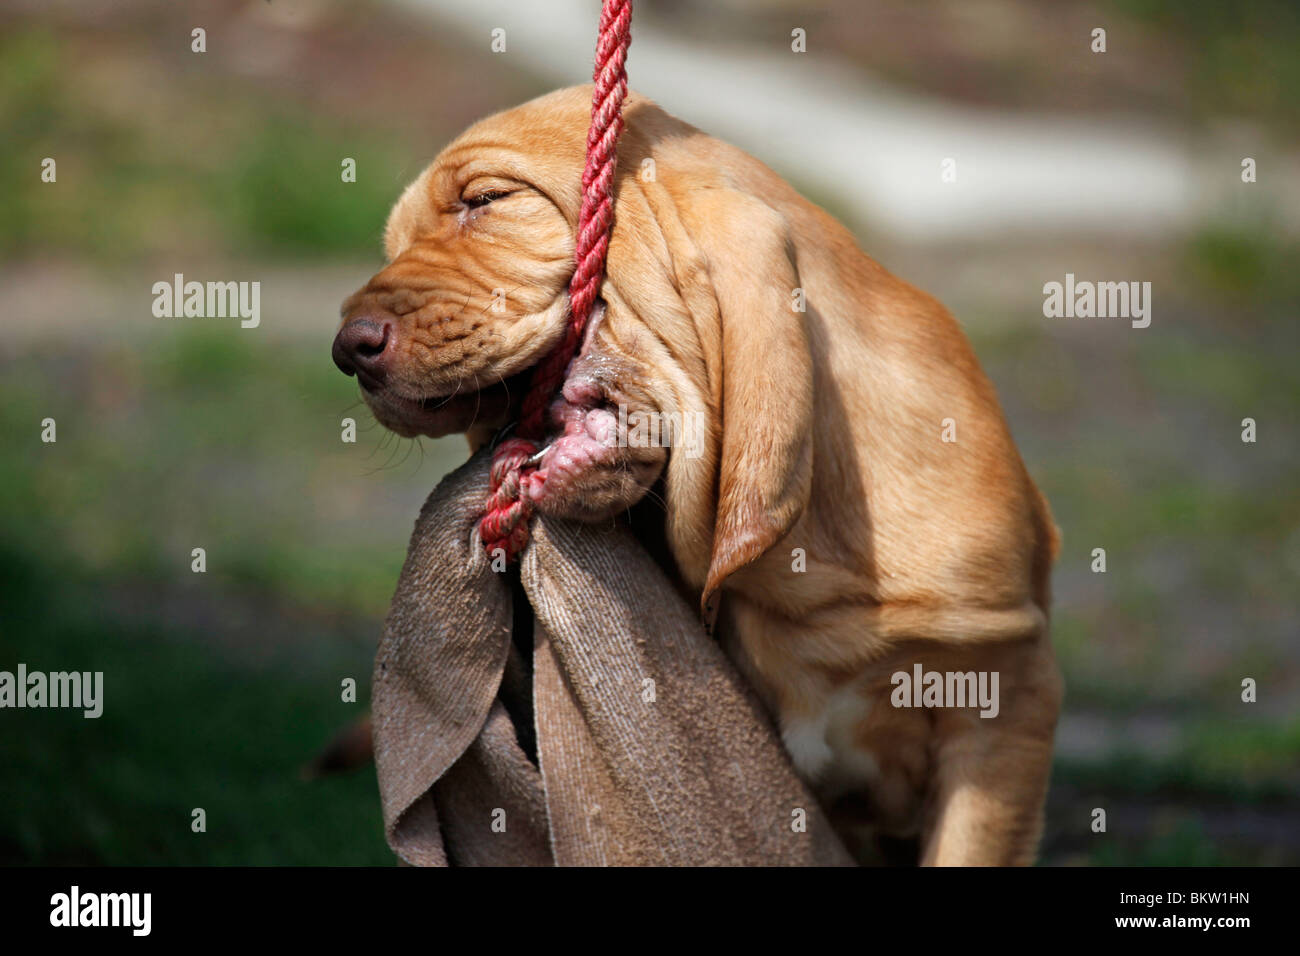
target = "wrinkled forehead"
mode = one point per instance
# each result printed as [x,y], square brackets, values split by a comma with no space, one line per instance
[540,144]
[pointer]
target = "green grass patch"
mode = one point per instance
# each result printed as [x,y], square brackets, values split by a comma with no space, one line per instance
[218,687]
[1227,756]
[1241,56]
[214,168]
[184,726]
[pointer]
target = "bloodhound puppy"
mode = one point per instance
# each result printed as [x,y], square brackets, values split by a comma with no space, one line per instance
[830,470]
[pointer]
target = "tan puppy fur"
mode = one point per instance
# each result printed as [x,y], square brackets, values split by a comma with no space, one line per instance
[823,433]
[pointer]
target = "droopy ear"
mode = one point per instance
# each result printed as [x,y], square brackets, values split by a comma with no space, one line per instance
[765,466]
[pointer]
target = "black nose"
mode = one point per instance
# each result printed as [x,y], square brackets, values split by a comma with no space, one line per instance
[361,349]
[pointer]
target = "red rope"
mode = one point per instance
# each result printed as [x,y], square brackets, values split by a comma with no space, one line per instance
[505,521]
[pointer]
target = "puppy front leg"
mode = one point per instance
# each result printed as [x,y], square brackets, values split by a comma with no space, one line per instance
[988,802]
[991,775]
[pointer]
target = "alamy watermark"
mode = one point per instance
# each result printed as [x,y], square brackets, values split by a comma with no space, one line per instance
[75,908]
[75,689]
[683,430]
[922,688]
[1100,300]
[211,300]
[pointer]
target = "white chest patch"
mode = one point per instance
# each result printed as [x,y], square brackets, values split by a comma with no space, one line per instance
[822,746]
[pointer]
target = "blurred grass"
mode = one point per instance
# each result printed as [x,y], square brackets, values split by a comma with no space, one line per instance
[219,686]
[1241,58]
[230,171]
[237,458]
[1197,62]
[1246,761]
[180,729]
[1174,840]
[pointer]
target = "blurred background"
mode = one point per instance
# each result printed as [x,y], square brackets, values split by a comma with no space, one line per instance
[184,433]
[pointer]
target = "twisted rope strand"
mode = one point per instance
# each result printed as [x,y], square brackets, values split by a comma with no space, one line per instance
[506,519]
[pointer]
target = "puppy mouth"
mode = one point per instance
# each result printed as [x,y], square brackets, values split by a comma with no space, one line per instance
[494,405]
[587,438]
[438,415]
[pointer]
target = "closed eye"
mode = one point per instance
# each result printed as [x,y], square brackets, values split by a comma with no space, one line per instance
[482,199]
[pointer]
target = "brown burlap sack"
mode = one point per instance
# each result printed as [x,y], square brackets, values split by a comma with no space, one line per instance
[649,748]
